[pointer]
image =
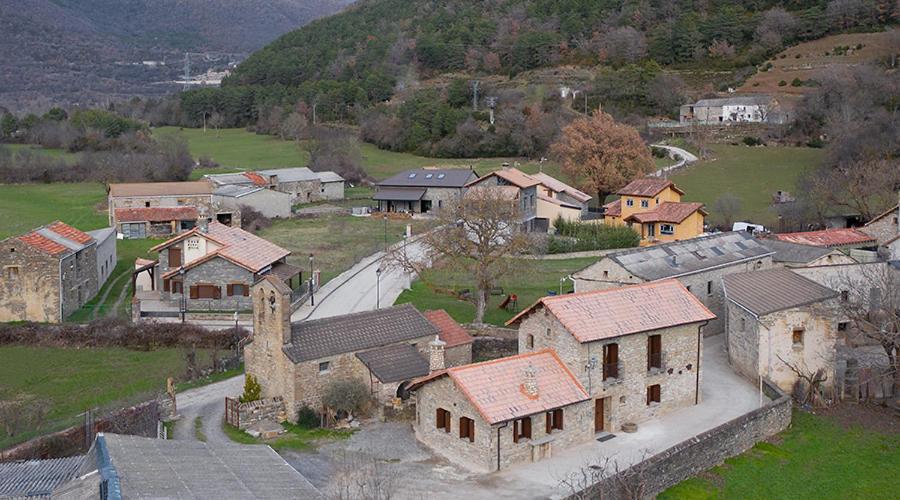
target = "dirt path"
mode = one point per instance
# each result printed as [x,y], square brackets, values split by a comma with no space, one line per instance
[106,292]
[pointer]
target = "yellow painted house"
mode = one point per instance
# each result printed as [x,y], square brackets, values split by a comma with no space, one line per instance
[653,207]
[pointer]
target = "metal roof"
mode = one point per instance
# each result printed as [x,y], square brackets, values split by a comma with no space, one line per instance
[237,190]
[36,478]
[395,363]
[431,177]
[160,188]
[794,252]
[695,255]
[329,176]
[296,174]
[399,194]
[740,100]
[770,290]
[325,337]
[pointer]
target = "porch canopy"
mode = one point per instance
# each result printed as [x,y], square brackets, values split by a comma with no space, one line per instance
[399,194]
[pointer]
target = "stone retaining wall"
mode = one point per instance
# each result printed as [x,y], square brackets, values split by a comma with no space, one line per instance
[264,409]
[492,342]
[695,455]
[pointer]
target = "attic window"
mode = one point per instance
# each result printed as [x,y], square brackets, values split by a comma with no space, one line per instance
[441,176]
[429,176]
[412,175]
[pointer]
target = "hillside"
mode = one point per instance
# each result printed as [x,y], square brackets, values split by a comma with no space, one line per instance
[86,51]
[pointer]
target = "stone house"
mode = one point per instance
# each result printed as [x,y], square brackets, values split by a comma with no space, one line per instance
[794,255]
[302,184]
[653,207]
[50,272]
[488,416]
[638,349]
[384,349]
[734,109]
[211,268]
[106,253]
[271,203]
[422,190]
[886,230]
[161,209]
[457,341]
[776,318]
[523,188]
[698,264]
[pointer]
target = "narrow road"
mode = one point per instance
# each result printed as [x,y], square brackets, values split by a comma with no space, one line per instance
[685,158]
[208,404]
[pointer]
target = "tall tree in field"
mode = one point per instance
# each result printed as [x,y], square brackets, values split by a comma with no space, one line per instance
[478,236]
[602,155]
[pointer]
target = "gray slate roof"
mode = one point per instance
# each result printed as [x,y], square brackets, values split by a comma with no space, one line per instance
[160,468]
[399,194]
[395,363]
[740,100]
[767,291]
[329,176]
[36,478]
[795,253]
[696,255]
[325,337]
[290,174]
[431,177]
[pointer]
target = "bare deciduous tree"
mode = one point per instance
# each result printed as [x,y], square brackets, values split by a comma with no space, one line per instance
[607,478]
[727,206]
[361,477]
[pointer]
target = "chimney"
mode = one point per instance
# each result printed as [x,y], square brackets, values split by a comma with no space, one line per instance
[436,358]
[529,381]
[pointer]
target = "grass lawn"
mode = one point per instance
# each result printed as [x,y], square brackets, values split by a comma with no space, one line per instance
[531,280]
[296,437]
[337,242]
[27,206]
[815,458]
[73,380]
[753,174]
[106,302]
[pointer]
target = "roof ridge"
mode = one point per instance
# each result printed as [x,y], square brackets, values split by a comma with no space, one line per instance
[521,355]
[405,305]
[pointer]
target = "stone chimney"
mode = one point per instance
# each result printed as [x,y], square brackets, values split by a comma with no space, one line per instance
[203,220]
[529,381]
[436,355]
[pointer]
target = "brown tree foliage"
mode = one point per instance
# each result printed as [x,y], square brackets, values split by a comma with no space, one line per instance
[602,155]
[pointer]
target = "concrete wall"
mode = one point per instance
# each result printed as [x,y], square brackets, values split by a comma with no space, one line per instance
[29,284]
[702,452]
[626,396]
[742,342]
[106,258]
[268,202]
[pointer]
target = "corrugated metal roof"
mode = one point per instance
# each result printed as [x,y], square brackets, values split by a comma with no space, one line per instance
[36,478]
[297,174]
[329,176]
[314,339]
[236,190]
[767,291]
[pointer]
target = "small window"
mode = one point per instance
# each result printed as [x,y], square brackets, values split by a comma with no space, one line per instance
[412,175]
[842,326]
[654,352]
[239,290]
[521,429]
[629,202]
[548,332]
[467,429]
[743,324]
[606,274]
[429,176]
[709,288]
[12,273]
[645,203]
[554,420]
[666,229]
[146,204]
[177,286]
[441,176]
[654,394]
[529,342]
[688,288]
[657,201]
[442,419]
[610,361]
[797,336]
[845,295]
[324,366]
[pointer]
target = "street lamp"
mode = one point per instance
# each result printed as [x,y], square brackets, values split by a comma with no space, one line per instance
[312,287]
[378,288]
[183,301]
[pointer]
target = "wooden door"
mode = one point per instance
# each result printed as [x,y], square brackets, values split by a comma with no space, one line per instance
[598,414]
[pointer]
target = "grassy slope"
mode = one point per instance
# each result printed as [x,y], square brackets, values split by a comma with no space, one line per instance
[73,380]
[815,458]
[532,281]
[753,174]
[126,252]
[26,206]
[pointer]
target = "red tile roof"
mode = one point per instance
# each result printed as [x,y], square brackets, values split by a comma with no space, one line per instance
[244,249]
[495,388]
[647,187]
[559,186]
[43,243]
[449,330]
[156,214]
[668,211]
[828,238]
[605,314]
[256,178]
[69,232]
[613,208]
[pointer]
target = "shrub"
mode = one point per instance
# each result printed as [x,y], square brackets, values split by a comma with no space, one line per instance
[307,418]
[659,152]
[346,395]
[583,236]
[815,142]
[753,141]
[796,82]
[252,390]
[782,83]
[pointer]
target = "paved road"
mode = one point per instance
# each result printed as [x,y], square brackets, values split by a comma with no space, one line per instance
[207,403]
[684,158]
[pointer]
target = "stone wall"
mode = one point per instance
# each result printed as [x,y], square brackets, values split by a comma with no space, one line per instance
[884,228]
[701,452]
[492,342]
[251,413]
[742,342]
[221,273]
[458,355]
[29,284]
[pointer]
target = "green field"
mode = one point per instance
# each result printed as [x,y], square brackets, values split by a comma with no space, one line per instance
[753,174]
[56,153]
[295,438]
[73,380]
[27,206]
[815,458]
[530,280]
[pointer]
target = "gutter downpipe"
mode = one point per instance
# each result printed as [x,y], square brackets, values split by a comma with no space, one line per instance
[505,425]
[697,380]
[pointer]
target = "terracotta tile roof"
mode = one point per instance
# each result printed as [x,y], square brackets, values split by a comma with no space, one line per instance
[70,233]
[512,175]
[238,246]
[605,314]
[160,188]
[256,178]
[668,211]
[828,237]
[495,387]
[448,329]
[613,208]
[561,187]
[770,290]
[156,214]
[647,187]
[43,244]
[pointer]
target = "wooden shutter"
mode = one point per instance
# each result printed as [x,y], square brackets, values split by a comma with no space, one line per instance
[463,428]
[230,289]
[549,417]
[217,292]
[174,257]
[246,290]
[195,291]
[439,418]
[558,419]
[447,419]
[526,427]
[165,285]
[516,425]
[471,430]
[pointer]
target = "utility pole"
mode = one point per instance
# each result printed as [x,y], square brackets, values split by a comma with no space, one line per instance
[475,84]
[492,103]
